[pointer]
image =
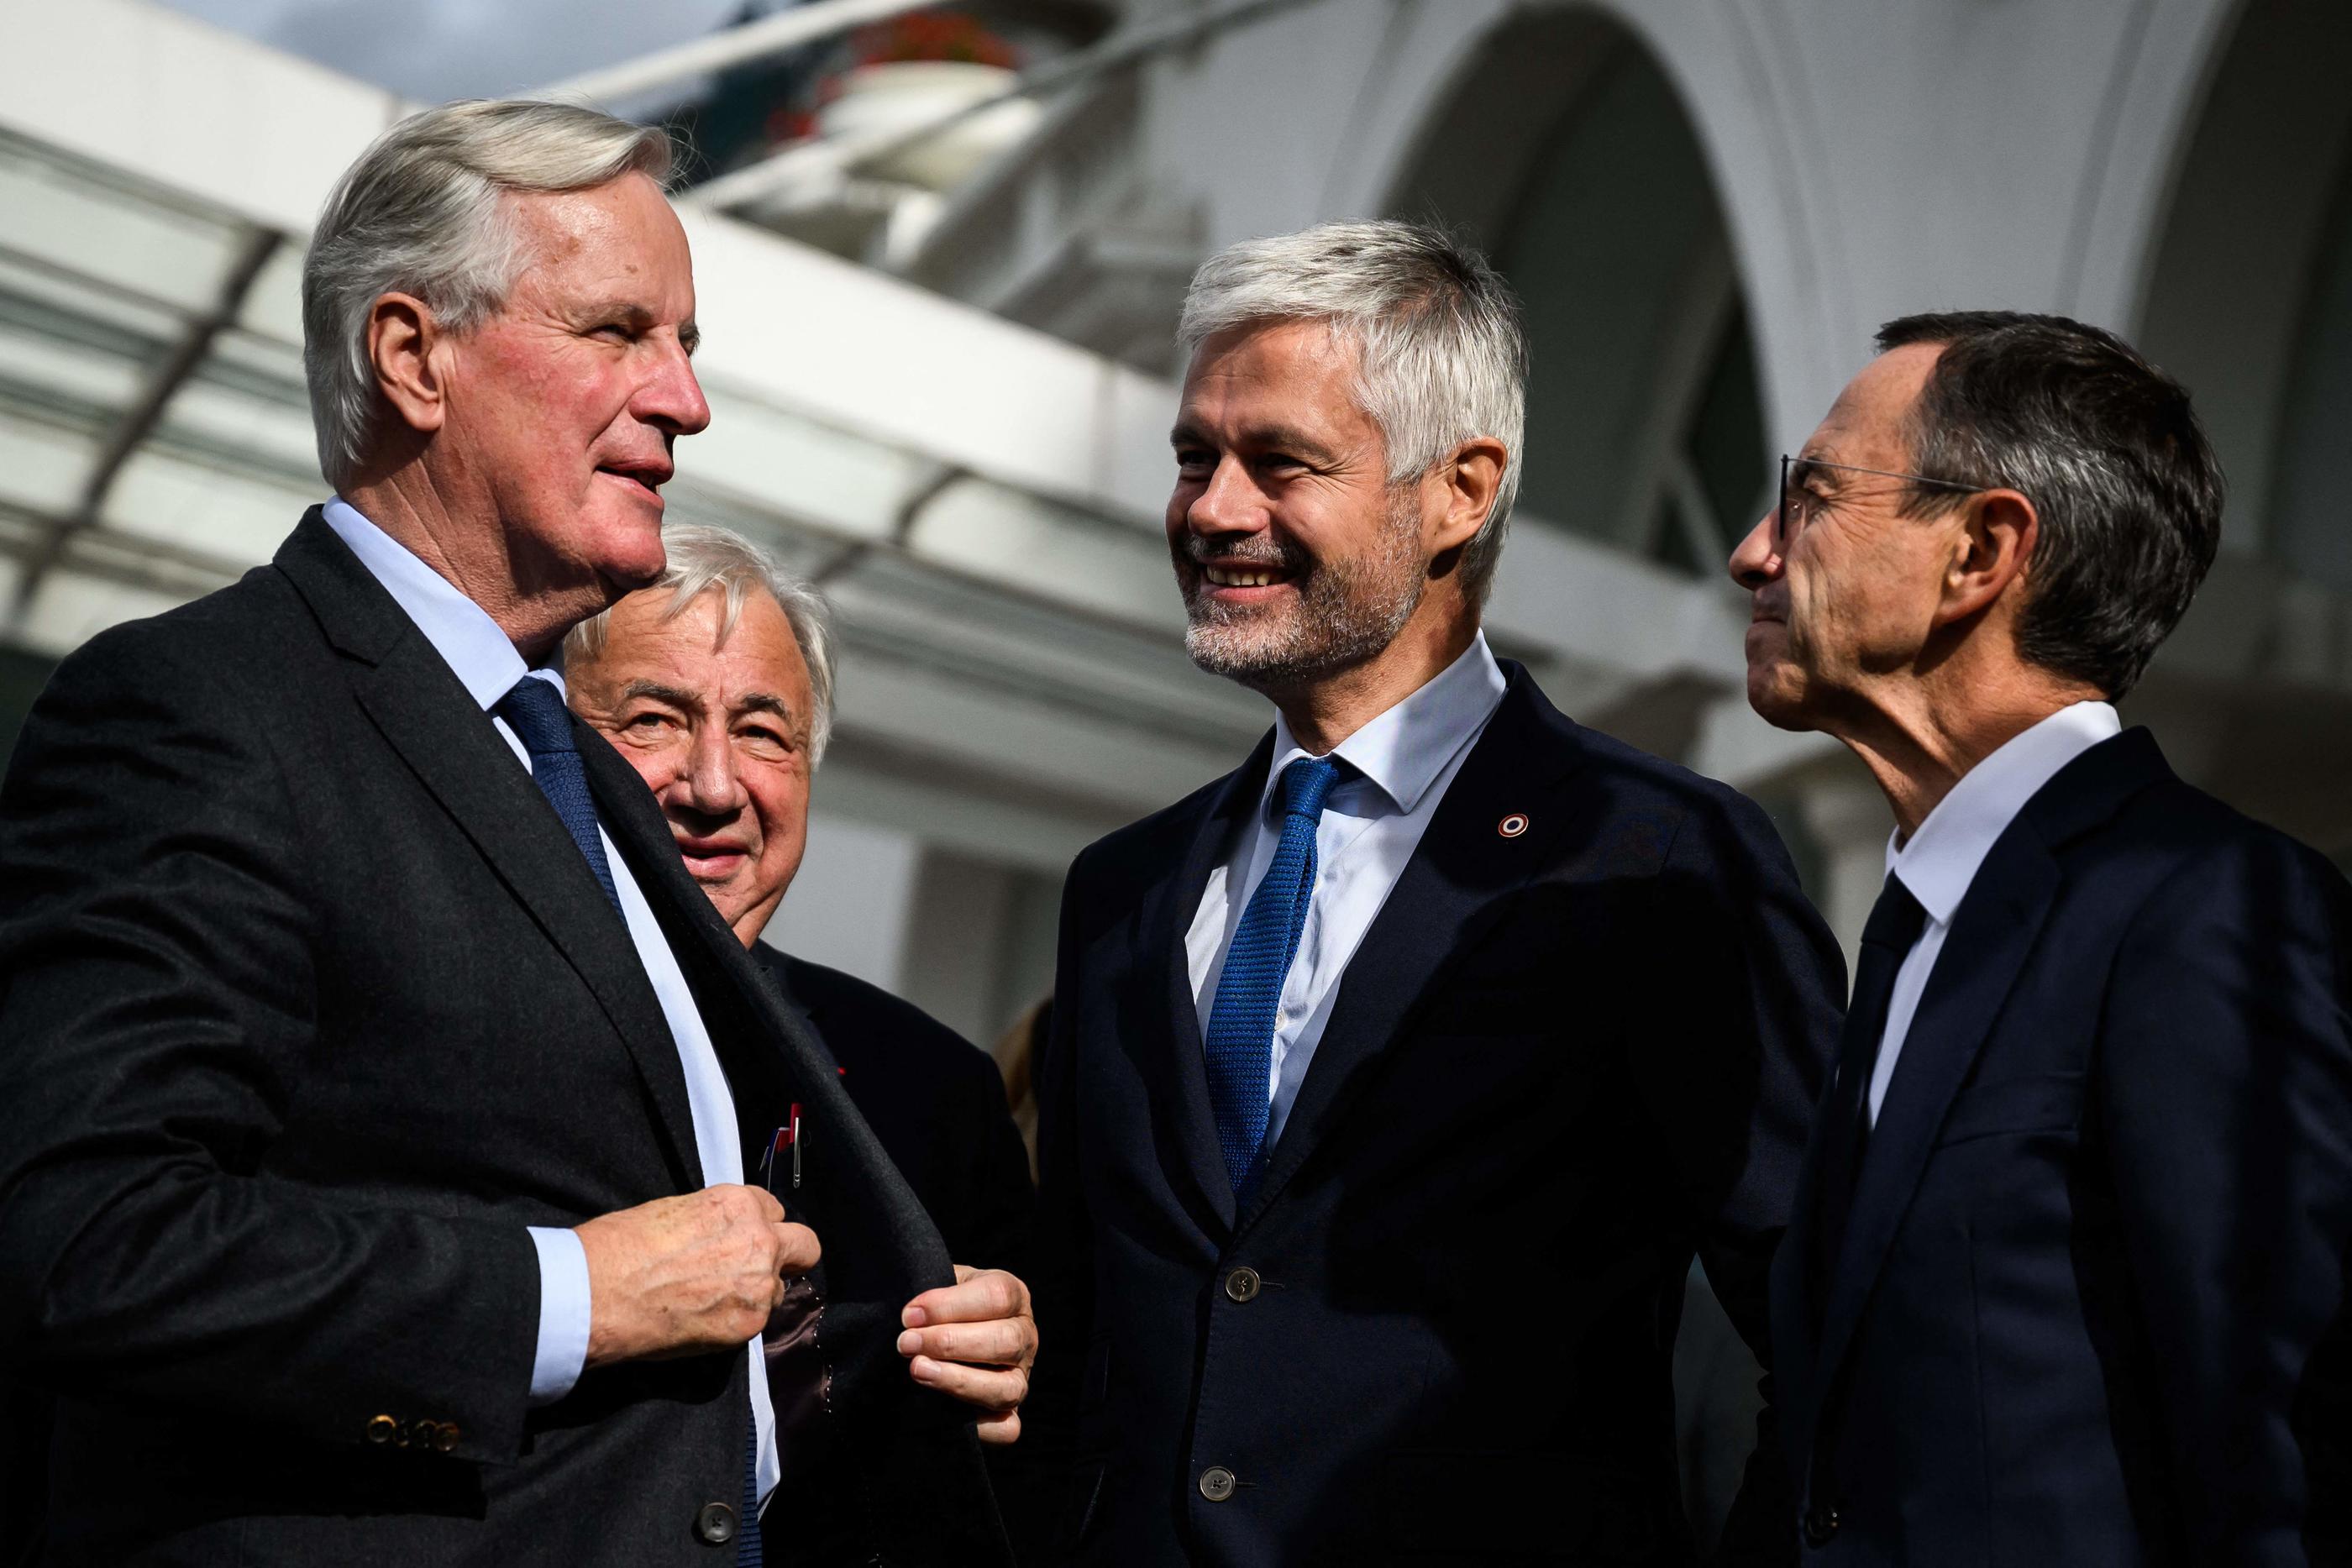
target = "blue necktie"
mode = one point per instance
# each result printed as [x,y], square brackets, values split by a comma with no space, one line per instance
[1241,1023]
[534,710]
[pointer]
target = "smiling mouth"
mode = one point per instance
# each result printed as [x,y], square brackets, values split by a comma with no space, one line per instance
[1243,577]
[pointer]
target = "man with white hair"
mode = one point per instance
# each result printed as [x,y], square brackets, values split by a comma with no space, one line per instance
[716,682]
[1395,1076]
[372,1188]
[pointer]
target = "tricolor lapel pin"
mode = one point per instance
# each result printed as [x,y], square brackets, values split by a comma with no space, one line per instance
[1512,826]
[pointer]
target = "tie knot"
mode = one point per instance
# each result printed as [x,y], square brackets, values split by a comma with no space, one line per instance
[534,710]
[1896,919]
[1305,783]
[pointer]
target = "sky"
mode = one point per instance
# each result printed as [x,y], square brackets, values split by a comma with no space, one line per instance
[436,49]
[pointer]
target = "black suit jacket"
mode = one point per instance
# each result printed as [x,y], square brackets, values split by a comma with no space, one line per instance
[1442,1328]
[2104,1215]
[934,1099]
[310,1007]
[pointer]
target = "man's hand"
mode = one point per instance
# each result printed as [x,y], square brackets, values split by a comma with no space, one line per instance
[975,1341]
[698,1272]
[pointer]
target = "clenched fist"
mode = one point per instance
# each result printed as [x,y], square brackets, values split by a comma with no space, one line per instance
[680,1275]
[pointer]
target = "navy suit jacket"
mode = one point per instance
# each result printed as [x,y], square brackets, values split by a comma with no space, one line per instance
[1442,1325]
[934,1101]
[2103,1220]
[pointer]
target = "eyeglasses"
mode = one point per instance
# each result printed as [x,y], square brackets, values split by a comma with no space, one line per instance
[1789,507]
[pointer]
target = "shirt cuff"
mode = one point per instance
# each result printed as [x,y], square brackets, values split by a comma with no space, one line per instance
[563,1313]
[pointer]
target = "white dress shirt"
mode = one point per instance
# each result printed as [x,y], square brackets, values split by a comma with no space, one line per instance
[1373,821]
[486,665]
[1941,859]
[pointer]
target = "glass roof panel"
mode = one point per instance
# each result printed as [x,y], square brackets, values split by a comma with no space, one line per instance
[1001,534]
[234,422]
[44,466]
[273,305]
[842,483]
[236,515]
[44,300]
[236,353]
[72,216]
[82,383]
[71,607]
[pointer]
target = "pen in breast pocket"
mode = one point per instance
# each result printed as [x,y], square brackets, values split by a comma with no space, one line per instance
[787,1136]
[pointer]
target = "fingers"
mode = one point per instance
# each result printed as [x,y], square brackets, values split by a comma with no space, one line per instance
[797,1251]
[999,1427]
[751,1202]
[997,1389]
[979,1295]
[1007,1341]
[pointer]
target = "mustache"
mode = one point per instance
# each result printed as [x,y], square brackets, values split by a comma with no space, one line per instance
[1262,549]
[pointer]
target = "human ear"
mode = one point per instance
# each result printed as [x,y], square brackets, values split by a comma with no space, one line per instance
[1998,529]
[402,335]
[1471,476]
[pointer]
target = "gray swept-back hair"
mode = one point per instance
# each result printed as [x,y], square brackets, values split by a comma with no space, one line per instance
[1441,357]
[704,559]
[424,212]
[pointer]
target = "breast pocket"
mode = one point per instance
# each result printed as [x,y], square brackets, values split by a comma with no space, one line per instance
[2029,1103]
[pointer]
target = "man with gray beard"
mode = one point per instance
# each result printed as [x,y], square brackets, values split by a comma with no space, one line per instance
[1395,1077]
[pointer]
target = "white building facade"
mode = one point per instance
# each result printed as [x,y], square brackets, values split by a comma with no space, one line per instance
[958,426]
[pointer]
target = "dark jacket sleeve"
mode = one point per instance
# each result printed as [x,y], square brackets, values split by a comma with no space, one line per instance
[2225,1090]
[157,1011]
[993,1228]
[1734,1042]
[1059,1267]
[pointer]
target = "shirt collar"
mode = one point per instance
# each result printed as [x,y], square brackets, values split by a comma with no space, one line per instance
[1403,750]
[461,631]
[1941,859]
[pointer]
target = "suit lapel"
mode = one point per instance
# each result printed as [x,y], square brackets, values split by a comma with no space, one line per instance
[1170,1058]
[1993,933]
[1452,889]
[788,1062]
[425,715]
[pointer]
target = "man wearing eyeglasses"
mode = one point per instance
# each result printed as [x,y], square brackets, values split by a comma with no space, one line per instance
[2066,1278]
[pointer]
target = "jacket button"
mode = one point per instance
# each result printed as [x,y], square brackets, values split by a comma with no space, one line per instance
[1821,1524]
[1243,1284]
[380,1428]
[445,1437]
[715,1523]
[1216,1483]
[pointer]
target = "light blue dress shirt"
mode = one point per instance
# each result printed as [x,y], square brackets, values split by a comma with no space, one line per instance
[487,666]
[1372,821]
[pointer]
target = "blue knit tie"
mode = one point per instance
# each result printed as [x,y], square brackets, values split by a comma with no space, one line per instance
[534,710]
[1241,1023]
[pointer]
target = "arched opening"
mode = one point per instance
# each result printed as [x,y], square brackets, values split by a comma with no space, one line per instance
[2248,300]
[2249,293]
[1563,150]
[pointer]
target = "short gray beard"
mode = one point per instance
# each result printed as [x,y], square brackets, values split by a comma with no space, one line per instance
[1347,611]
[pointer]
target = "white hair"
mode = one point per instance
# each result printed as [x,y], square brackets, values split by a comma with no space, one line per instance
[424,212]
[1441,357]
[703,559]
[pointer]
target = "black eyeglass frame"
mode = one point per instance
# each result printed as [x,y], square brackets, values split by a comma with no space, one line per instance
[1780,497]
